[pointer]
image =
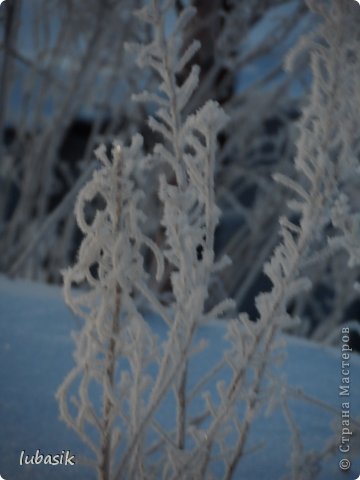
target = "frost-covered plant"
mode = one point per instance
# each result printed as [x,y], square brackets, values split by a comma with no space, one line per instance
[329,162]
[327,157]
[112,245]
[190,214]
[109,264]
[117,348]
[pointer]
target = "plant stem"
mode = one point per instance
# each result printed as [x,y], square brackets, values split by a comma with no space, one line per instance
[105,448]
[181,408]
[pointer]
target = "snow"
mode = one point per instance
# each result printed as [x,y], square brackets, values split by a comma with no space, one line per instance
[36,353]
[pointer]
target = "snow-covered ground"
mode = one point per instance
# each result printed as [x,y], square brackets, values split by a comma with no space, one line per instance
[36,353]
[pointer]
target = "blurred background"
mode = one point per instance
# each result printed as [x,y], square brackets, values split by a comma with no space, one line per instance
[66,82]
